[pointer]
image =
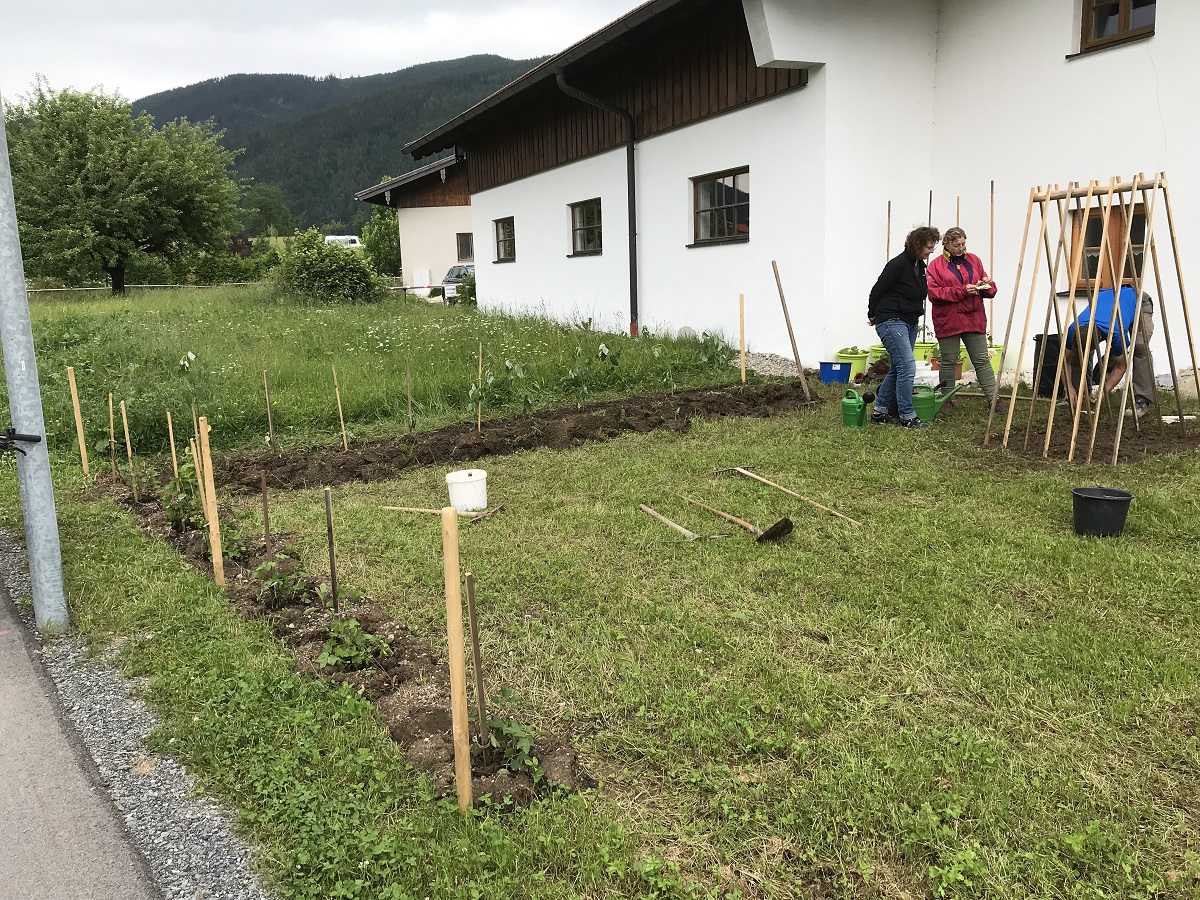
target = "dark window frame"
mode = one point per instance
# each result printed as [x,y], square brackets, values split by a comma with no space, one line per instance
[1116,243]
[578,231]
[1125,31]
[506,247]
[470,236]
[698,211]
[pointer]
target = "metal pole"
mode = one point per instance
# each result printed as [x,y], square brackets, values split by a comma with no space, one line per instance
[25,403]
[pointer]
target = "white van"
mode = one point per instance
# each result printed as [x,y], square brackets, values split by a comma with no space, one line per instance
[346,240]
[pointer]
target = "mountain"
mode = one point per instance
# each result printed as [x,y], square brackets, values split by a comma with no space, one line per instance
[320,140]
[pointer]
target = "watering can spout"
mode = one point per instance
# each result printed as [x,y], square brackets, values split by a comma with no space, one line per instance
[940,400]
[928,403]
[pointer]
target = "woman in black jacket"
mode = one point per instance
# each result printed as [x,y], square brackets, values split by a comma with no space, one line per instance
[896,305]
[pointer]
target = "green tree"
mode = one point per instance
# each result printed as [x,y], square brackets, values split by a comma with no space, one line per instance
[263,208]
[94,186]
[381,241]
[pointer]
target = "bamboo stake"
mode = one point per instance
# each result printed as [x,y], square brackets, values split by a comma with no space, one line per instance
[171,438]
[958,211]
[987,435]
[479,419]
[198,466]
[408,366]
[270,421]
[79,419]
[112,436]
[458,668]
[887,250]
[791,334]
[1073,276]
[1012,404]
[129,454]
[929,220]
[1187,319]
[741,332]
[266,511]
[337,393]
[992,258]
[210,491]
[333,579]
[1162,309]
[195,424]
[485,731]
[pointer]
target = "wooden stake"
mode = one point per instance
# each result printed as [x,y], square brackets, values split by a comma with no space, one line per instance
[992,258]
[887,248]
[958,212]
[1187,319]
[198,466]
[741,332]
[479,422]
[408,366]
[195,426]
[129,454]
[929,221]
[266,511]
[270,422]
[791,334]
[79,419]
[458,667]
[1162,310]
[485,731]
[337,393]
[210,491]
[171,438]
[333,579]
[112,436]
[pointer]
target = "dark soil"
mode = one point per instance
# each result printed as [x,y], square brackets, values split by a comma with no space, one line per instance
[1150,438]
[557,429]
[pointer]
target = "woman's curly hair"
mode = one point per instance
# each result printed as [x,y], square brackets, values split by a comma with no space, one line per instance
[919,238]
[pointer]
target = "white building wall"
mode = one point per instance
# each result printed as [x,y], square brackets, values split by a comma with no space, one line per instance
[543,279]
[429,242]
[1047,118]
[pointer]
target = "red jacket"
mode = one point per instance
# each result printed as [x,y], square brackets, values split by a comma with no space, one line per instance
[954,310]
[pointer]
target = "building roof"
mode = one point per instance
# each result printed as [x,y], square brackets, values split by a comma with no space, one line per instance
[378,193]
[445,135]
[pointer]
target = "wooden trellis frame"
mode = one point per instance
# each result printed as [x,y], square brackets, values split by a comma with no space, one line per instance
[1117,198]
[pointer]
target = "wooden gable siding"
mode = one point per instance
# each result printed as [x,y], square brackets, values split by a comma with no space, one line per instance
[431,191]
[690,71]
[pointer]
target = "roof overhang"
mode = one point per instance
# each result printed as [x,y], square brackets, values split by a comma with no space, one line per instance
[380,194]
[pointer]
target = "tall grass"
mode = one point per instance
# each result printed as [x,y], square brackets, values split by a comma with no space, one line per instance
[160,352]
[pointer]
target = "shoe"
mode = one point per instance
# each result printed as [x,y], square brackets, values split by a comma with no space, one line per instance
[1140,408]
[882,418]
[913,423]
[1001,406]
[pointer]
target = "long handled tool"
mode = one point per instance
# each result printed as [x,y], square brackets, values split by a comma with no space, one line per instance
[779,487]
[471,516]
[690,535]
[780,529]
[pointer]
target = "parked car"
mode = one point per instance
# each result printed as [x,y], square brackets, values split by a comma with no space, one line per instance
[346,240]
[453,277]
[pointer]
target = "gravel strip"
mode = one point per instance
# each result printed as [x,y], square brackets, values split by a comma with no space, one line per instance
[184,838]
[767,364]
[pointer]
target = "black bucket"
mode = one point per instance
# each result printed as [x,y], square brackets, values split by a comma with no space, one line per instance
[1100,511]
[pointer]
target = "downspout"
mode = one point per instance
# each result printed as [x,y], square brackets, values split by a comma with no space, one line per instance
[631,182]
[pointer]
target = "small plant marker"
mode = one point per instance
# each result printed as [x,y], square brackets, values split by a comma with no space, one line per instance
[458,663]
[210,492]
[742,331]
[338,394]
[78,419]
[129,453]
[112,437]
[479,421]
[270,423]
[171,435]
[333,580]
[477,666]
[266,512]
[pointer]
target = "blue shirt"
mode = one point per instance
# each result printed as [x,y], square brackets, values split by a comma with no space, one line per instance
[1104,318]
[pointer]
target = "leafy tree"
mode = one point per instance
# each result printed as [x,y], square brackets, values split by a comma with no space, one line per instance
[95,186]
[316,273]
[381,241]
[264,208]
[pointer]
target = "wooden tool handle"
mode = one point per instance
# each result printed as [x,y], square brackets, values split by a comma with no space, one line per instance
[419,509]
[780,487]
[690,535]
[724,515]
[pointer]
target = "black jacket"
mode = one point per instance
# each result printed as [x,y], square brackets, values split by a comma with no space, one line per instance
[900,291]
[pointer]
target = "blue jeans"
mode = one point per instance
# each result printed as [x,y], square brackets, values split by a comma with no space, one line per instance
[899,338]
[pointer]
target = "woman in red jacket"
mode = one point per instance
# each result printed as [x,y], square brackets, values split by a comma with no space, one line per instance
[958,285]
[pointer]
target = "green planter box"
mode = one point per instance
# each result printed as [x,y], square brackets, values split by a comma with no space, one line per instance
[857,359]
[876,351]
[923,349]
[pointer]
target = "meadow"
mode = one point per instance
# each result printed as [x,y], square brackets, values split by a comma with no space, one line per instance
[961,698]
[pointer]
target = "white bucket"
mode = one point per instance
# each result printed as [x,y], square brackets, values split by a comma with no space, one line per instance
[925,375]
[468,489]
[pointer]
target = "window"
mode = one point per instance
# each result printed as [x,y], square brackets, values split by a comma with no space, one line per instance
[506,240]
[722,207]
[586,236]
[466,246]
[1092,235]
[1107,22]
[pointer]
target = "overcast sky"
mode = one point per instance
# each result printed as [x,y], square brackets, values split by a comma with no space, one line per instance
[137,47]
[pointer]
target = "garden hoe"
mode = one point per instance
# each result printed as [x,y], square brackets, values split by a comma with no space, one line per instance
[780,529]
[742,470]
[690,535]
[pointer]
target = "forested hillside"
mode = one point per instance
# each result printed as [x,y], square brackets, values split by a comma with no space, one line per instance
[322,139]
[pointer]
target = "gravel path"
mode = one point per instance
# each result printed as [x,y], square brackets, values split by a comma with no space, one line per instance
[184,838]
[767,364]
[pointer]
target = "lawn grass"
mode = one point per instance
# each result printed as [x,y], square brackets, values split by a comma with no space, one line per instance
[161,351]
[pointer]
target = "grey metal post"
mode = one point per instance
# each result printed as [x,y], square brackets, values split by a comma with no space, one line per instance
[25,404]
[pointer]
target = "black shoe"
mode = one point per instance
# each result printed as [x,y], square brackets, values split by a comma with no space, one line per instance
[914,422]
[882,418]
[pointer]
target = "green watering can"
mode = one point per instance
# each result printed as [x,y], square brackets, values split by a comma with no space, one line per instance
[854,409]
[928,402]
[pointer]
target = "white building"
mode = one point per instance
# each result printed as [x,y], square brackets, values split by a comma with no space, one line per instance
[813,115]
